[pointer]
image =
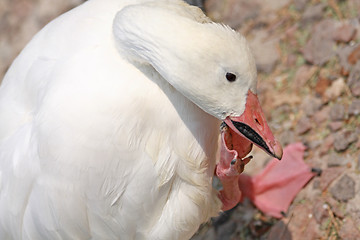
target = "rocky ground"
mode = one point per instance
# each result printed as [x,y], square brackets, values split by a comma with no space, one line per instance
[308,57]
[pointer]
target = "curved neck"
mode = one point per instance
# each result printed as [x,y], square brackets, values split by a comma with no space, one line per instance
[162,35]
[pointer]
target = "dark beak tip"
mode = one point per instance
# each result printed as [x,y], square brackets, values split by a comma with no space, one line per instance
[276,149]
[277,156]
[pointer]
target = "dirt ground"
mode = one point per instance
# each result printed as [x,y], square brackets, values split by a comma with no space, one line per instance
[308,58]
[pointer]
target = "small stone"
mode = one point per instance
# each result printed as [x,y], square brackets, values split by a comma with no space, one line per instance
[328,176]
[348,230]
[314,144]
[344,189]
[337,112]
[265,51]
[344,33]
[335,126]
[316,51]
[335,90]
[322,115]
[336,160]
[302,75]
[311,105]
[313,13]
[343,139]
[303,126]
[320,47]
[354,108]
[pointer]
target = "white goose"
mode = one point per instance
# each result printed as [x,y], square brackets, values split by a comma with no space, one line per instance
[109,122]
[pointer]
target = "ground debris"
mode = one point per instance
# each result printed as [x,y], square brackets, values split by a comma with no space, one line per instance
[343,189]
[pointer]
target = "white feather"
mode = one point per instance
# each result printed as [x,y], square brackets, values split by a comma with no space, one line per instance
[113,135]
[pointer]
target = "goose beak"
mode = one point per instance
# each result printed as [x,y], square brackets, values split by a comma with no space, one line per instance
[253,126]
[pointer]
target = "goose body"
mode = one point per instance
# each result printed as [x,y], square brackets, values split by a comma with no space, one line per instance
[105,132]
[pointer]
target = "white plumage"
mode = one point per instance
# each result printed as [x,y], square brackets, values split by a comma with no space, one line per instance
[109,122]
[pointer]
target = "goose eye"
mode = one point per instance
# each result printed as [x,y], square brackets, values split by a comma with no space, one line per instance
[230,77]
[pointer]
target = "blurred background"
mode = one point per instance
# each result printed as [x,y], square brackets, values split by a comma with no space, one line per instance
[308,58]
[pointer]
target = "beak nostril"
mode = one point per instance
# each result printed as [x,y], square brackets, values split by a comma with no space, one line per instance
[257,121]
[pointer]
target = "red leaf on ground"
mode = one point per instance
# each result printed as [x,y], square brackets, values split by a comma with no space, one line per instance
[273,189]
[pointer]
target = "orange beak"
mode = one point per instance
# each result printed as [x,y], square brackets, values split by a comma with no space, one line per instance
[253,126]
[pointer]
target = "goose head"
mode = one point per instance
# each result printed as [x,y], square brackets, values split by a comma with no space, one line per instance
[210,64]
